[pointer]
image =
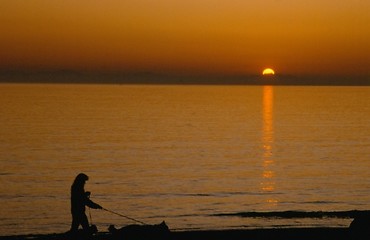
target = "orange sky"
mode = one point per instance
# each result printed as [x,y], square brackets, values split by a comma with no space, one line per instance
[196,36]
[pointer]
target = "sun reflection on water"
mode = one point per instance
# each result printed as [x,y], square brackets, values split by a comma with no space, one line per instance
[268,174]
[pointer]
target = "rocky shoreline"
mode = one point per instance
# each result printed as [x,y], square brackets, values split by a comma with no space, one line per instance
[260,234]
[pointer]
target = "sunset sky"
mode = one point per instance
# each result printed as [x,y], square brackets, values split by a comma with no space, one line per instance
[294,37]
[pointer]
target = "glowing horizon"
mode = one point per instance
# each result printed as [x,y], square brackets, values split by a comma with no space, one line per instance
[229,37]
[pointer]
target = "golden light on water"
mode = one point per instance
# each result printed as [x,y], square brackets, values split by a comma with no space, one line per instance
[268,71]
[268,174]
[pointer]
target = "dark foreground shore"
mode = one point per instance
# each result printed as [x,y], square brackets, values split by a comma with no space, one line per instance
[253,234]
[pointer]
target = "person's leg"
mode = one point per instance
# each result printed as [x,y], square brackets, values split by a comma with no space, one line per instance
[84,223]
[75,223]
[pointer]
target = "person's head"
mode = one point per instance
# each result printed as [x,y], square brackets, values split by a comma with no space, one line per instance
[81,179]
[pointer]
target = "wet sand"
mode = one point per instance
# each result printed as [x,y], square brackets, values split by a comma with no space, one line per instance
[253,234]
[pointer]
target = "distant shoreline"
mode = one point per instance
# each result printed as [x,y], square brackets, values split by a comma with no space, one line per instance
[68,77]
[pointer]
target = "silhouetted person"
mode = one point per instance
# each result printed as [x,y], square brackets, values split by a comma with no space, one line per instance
[80,199]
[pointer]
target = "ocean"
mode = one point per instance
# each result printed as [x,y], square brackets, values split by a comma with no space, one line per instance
[196,156]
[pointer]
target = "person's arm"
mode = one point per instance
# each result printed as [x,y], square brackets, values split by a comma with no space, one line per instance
[90,203]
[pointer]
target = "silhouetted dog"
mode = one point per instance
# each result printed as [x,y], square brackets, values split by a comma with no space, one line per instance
[141,232]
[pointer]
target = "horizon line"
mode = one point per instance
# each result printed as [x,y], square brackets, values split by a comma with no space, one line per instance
[147,77]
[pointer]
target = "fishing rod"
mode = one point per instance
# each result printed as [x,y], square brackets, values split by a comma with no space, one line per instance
[121,215]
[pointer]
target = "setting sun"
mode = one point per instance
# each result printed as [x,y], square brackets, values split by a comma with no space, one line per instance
[268,71]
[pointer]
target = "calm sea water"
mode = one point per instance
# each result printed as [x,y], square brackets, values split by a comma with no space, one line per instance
[183,154]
